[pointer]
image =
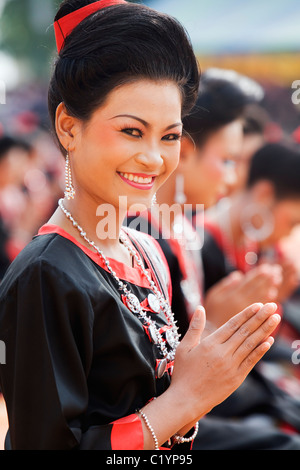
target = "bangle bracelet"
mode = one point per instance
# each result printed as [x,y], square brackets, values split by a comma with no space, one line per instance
[181,440]
[150,428]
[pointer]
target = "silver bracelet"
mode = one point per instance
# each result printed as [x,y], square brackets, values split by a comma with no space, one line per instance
[181,440]
[150,428]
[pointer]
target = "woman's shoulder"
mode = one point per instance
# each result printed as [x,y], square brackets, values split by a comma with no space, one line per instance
[48,254]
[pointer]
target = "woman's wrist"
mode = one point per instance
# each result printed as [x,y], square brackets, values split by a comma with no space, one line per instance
[170,414]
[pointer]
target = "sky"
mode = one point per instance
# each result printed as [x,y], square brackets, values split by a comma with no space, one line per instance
[235,26]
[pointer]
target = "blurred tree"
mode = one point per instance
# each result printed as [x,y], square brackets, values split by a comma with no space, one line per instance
[26,33]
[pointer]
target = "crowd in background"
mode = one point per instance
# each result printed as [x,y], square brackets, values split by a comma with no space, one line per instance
[32,168]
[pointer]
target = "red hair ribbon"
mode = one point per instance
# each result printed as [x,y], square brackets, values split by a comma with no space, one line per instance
[64,26]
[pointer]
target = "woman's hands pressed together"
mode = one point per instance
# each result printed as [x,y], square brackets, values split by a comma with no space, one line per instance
[209,370]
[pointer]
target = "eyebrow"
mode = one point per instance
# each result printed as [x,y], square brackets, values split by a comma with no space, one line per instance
[145,123]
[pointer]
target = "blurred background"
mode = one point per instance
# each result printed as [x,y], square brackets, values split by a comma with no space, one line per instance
[258,38]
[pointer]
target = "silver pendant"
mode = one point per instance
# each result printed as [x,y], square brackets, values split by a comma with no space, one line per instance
[161,369]
[153,334]
[154,303]
[133,303]
[170,338]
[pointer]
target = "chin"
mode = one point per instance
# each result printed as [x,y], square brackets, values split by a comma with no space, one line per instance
[139,206]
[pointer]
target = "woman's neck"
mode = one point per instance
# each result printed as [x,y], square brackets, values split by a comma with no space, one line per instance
[101,224]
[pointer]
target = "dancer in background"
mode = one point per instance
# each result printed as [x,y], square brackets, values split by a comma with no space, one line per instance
[15,156]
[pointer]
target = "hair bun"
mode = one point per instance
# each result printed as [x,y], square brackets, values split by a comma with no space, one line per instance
[64,25]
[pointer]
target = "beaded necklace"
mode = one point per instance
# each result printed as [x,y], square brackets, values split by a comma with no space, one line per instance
[157,301]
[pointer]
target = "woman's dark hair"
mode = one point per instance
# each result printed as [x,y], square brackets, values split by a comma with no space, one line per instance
[115,46]
[278,163]
[255,120]
[223,95]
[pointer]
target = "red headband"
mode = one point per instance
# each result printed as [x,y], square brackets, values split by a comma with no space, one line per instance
[64,26]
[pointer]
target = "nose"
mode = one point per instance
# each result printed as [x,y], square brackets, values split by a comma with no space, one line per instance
[150,158]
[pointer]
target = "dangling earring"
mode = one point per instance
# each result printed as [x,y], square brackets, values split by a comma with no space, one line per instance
[70,191]
[265,223]
[154,200]
[179,197]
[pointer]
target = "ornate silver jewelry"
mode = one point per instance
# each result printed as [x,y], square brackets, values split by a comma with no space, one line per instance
[150,429]
[69,191]
[181,440]
[167,346]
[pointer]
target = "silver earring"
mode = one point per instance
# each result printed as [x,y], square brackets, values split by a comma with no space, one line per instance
[69,191]
[179,197]
[265,225]
[154,200]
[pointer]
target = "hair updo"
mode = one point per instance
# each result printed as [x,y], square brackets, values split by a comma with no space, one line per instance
[118,45]
[223,96]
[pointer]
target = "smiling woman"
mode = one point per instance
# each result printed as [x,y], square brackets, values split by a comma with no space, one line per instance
[138,141]
[90,336]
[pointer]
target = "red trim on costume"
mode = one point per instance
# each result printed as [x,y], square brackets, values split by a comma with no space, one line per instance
[127,433]
[152,220]
[124,272]
[64,26]
[235,256]
[215,231]
[163,258]
[147,216]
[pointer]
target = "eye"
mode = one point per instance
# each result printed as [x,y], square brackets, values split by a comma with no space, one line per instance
[134,132]
[172,137]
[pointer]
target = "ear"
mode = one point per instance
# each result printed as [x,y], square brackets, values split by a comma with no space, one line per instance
[67,127]
[187,151]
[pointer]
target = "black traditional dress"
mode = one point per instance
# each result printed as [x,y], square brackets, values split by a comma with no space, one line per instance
[79,362]
[4,255]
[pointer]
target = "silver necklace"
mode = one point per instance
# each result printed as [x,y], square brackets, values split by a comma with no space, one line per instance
[156,301]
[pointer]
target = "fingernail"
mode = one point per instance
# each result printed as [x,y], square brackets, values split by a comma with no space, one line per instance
[275,318]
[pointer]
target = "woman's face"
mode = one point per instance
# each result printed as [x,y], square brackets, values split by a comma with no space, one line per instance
[205,172]
[286,216]
[129,146]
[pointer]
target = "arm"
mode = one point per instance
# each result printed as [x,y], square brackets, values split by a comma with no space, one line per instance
[207,372]
[46,323]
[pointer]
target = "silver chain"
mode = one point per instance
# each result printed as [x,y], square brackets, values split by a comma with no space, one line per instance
[131,299]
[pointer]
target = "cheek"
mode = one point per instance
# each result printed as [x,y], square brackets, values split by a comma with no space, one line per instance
[171,160]
[214,171]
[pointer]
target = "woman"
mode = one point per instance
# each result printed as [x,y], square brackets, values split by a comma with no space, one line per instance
[85,317]
[245,229]
[14,161]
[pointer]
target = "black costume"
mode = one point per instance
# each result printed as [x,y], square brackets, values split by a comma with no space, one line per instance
[78,359]
[4,256]
[79,363]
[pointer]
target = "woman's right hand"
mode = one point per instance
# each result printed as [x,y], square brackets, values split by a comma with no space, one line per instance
[208,370]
